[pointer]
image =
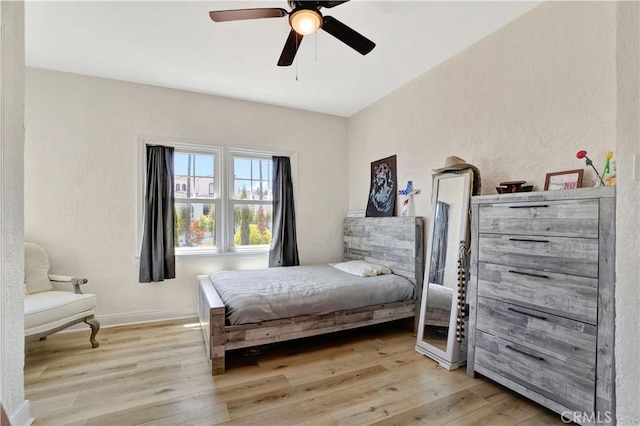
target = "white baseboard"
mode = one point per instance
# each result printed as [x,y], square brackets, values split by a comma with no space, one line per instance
[21,417]
[128,318]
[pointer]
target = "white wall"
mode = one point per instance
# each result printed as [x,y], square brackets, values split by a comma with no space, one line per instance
[80,180]
[11,220]
[519,104]
[628,216]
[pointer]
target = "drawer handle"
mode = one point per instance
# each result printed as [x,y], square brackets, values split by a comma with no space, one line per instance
[528,241]
[528,207]
[539,358]
[527,314]
[529,274]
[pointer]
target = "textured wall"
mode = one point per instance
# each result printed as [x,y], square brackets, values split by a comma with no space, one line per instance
[518,104]
[11,167]
[628,217]
[81,165]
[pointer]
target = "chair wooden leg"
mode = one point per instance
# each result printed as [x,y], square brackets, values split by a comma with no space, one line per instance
[95,327]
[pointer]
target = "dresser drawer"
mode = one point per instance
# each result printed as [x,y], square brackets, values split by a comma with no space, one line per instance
[560,337]
[571,384]
[569,296]
[571,218]
[573,256]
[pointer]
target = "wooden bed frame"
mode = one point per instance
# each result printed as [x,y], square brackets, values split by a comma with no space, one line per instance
[396,242]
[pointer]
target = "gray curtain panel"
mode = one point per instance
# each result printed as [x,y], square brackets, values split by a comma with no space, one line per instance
[157,257]
[284,245]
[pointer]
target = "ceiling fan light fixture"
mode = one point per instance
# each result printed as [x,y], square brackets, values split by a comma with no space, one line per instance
[305,21]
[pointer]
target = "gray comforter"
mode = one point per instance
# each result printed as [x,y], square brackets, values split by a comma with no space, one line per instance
[252,296]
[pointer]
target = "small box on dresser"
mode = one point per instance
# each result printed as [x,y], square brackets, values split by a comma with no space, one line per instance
[541,298]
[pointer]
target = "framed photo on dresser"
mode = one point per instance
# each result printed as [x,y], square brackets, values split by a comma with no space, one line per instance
[569,179]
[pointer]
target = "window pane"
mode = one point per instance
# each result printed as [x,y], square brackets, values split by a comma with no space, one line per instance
[252,225]
[266,170]
[255,169]
[203,165]
[180,162]
[267,194]
[201,187]
[194,175]
[242,168]
[252,180]
[242,190]
[195,225]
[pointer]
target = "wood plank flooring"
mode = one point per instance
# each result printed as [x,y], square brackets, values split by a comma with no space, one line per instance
[157,374]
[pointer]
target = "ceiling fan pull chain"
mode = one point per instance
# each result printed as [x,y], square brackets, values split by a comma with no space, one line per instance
[296,59]
[316,37]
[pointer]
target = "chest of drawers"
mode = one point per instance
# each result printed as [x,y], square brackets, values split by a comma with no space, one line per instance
[541,298]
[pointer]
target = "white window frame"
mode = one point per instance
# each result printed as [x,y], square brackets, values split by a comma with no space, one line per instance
[223,186]
[217,191]
[231,202]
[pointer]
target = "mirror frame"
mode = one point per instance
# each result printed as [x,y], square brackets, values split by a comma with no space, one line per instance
[455,355]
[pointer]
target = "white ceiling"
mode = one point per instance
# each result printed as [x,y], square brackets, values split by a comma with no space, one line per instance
[176,45]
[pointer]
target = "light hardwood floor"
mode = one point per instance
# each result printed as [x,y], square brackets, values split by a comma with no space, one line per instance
[157,374]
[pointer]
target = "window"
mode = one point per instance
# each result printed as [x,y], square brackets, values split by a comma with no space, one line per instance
[195,213]
[223,198]
[250,200]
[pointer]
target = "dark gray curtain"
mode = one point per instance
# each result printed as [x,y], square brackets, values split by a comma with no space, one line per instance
[157,257]
[439,244]
[284,246]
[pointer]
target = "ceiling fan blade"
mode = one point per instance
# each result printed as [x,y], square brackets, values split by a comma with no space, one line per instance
[329,4]
[347,35]
[290,49]
[240,14]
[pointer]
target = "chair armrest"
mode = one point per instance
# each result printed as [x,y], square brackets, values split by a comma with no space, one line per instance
[77,282]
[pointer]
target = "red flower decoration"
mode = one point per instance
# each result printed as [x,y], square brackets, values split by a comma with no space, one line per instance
[587,160]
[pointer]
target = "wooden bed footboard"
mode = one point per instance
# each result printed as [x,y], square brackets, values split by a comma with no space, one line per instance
[220,338]
[211,314]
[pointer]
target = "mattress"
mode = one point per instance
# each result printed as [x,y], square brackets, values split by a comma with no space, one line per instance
[253,296]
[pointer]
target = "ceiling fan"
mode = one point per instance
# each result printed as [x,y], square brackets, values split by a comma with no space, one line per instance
[305,18]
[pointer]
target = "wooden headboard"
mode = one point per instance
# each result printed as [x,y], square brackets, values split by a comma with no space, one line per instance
[396,242]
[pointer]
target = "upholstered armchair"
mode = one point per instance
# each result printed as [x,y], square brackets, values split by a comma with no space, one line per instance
[47,309]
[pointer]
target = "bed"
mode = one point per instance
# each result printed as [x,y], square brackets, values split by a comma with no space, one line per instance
[394,242]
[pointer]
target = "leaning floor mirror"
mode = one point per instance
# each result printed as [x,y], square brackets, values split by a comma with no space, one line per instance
[443,309]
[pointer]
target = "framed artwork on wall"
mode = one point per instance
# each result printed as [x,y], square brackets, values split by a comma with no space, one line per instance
[382,192]
[569,179]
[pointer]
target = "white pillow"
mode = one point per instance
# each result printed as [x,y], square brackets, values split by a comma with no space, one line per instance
[361,268]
